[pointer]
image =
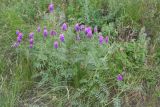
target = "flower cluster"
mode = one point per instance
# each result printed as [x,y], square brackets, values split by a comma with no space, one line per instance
[38,29]
[119,77]
[53,33]
[56,44]
[64,27]
[88,32]
[45,32]
[19,38]
[31,39]
[61,37]
[78,28]
[102,39]
[51,7]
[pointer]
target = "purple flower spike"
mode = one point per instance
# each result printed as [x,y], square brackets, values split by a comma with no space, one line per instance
[64,27]
[31,41]
[61,37]
[56,44]
[31,35]
[87,30]
[39,29]
[51,7]
[77,27]
[20,35]
[19,38]
[95,29]
[45,33]
[82,27]
[53,33]
[106,39]
[119,77]
[89,34]
[100,39]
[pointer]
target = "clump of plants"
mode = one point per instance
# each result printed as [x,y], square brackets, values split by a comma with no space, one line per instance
[61,64]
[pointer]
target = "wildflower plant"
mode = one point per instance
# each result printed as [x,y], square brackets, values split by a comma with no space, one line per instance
[80,59]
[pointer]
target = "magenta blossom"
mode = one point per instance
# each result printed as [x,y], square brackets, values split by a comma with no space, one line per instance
[31,35]
[64,27]
[89,34]
[39,29]
[53,33]
[19,38]
[88,29]
[82,27]
[119,77]
[31,41]
[45,33]
[106,39]
[51,7]
[100,39]
[61,37]
[56,44]
[77,27]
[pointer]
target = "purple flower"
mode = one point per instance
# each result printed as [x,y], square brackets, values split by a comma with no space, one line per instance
[64,27]
[61,37]
[19,38]
[119,77]
[31,41]
[106,39]
[56,44]
[100,39]
[77,27]
[45,33]
[89,34]
[88,29]
[82,27]
[31,35]
[17,32]
[53,33]
[51,7]
[95,29]
[39,29]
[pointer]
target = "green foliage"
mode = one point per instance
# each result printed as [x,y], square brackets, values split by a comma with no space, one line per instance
[78,73]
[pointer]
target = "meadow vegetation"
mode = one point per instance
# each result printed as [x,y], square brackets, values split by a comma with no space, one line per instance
[116,66]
